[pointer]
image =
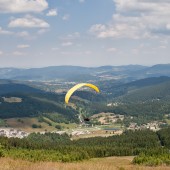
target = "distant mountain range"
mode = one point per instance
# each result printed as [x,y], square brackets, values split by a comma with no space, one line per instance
[9,86]
[76,73]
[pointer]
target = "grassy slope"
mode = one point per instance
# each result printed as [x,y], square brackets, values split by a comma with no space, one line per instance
[168,121]
[112,163]
[27,125]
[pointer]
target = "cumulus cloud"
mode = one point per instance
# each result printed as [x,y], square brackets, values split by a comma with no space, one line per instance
[2,31]
[163,46]
[23,34]
[42,31]
[98,28]
[88,52]
[23,46]
[71,36]
[71,52]
[52,12]
[81,1]
[135,51]
[67,43]
[111,49]
[55,49]
[66,17]
[136,19]
[29,22]
[21,6]
[18,53]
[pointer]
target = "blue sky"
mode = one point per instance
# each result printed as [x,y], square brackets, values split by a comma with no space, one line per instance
[38,33]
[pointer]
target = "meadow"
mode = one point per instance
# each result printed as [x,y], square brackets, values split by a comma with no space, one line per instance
[25,124]
[111,163]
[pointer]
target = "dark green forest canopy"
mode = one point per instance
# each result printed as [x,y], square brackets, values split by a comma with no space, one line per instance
[34,105]
[130,143]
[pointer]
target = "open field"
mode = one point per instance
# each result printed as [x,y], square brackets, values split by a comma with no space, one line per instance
[26,124]
[12,99]
[92,135]
[168,121]
[112,163]
[97,133]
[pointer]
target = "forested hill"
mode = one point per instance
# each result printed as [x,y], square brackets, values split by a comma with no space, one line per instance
[20,100]
[121,88]
[36,104]
[8,86]
[147,99]
[148,81]
[155,92]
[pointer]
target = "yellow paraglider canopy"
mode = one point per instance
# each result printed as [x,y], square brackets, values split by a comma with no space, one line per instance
[73,89]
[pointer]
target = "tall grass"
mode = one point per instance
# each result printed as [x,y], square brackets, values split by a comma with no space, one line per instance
[113,163]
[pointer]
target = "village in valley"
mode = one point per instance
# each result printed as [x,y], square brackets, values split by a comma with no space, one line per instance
[13,133]
[108,126]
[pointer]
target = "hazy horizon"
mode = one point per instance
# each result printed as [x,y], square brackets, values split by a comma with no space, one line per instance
[86,66]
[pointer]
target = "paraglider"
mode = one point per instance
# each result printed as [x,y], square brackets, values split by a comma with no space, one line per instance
[73,89]
[86,119]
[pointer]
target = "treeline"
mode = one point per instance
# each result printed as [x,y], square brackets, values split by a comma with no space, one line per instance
[164,136]
[158,156]
[55,147]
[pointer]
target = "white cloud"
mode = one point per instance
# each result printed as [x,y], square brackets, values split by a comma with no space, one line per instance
[163,46]
[2,31]
[97,28]
[23,46]
[23,34]
[29,22]
[71,36]
[71,53]
[145,6]
[136,19]
[88,52]
[42,31]
[66,17]
[52,12]
[67,43]
[26,35]
[135,51]
[111,49]
[1,53]
[81,1]
[18,53]
[21,6]
[55,49]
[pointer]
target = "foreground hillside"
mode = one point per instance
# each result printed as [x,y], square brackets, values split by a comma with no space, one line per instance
[112,163]
[61,148]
